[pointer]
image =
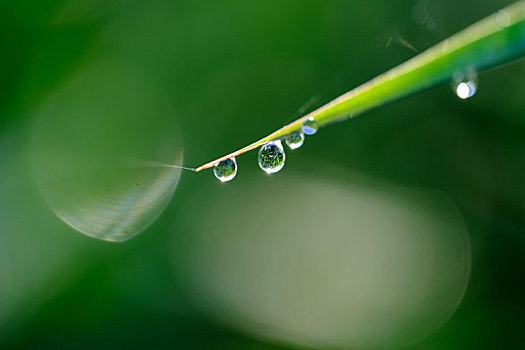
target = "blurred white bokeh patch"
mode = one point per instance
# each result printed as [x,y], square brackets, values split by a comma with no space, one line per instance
[324,263]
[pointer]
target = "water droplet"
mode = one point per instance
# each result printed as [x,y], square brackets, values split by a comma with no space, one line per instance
[272,157]
[295,141]
[465,84]
[309,126]
[226,170]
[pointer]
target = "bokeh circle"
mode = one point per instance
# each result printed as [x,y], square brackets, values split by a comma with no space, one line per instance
[92,140]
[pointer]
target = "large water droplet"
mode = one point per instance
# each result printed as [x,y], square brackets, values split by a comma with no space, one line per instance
[272,157]
[465,84]
[309,126]
[295,141]
[226,170]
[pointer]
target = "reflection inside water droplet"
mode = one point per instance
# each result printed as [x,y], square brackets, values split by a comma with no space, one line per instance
[83,136]
[272,157]
[295,141]
[309,126]
[465,84]
[226,170]
[466,89]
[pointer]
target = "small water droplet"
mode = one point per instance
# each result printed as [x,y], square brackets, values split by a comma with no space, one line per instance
[310,126]
[225,170]
[295,141]
[272,157]
[465,84]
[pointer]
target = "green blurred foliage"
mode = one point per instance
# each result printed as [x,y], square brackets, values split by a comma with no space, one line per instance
[235,71]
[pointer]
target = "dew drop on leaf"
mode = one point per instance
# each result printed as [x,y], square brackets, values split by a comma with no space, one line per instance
[295,141]
[309,126]
[226,170]
[272,157]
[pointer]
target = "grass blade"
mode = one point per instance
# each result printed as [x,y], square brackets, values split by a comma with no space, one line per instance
[488,43]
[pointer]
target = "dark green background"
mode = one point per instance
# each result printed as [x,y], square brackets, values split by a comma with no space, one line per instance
[235,71]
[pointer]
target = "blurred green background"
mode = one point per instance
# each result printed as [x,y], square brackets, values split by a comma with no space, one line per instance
[403,228]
